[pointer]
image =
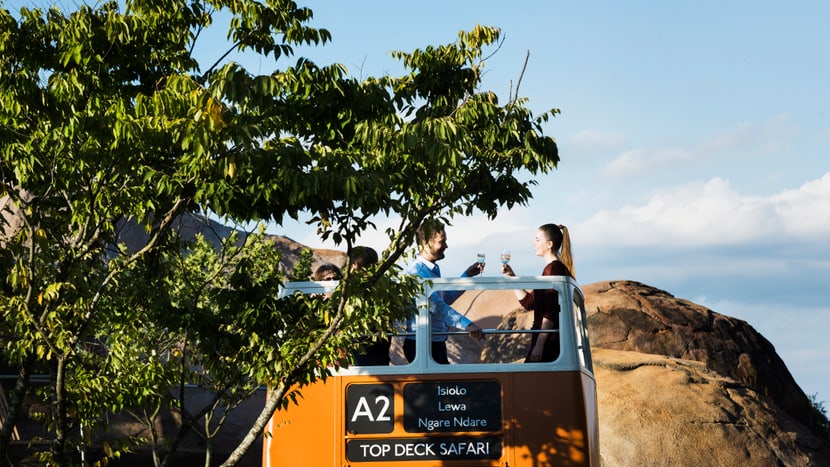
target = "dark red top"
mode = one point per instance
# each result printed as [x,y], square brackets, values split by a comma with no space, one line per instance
[545,304]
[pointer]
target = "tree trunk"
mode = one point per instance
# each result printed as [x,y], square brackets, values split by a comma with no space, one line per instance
[208,451]
[256,429]
[59,456]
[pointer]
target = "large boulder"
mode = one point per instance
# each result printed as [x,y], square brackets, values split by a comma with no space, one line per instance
[658,410]
[628,315]
[677,383]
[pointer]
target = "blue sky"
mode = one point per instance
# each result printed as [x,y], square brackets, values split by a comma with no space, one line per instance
[693,141]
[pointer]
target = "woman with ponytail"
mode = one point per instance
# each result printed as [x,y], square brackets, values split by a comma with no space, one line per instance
[552,243]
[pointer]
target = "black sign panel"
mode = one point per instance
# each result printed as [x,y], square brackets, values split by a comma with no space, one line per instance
[370,408]
[452,406]
[416,449]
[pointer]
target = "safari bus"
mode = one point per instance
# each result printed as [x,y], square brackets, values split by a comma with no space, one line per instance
[486,408]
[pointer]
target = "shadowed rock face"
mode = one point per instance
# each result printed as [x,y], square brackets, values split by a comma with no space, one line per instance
[627,315]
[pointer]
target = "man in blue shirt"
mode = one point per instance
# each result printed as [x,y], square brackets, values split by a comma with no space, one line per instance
[432,242]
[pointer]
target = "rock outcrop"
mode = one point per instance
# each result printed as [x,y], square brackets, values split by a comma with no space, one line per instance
[679,384]
[657,410]
[627,315]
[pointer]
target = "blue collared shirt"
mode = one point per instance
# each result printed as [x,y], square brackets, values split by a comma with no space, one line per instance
[442,315]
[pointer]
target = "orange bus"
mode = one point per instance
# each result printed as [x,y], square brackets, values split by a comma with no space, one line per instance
[490,409]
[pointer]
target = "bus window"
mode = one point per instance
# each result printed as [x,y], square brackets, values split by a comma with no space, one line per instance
[491,304]
[581,331]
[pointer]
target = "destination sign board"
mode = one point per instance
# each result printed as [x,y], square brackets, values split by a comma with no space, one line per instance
[452,406]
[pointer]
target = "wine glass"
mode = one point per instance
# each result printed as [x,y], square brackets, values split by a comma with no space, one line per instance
[505,256]
[480,257]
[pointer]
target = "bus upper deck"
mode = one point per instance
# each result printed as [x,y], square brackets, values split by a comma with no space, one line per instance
[492,410]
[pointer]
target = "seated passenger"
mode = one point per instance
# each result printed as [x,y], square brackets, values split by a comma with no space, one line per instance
[326,272]
[375,351]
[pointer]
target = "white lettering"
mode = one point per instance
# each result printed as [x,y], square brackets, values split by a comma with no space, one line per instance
[376,450]
[431,424]
[478,448]
[362,410]
[414,450]
[469,422]
[449,449]
[474,448]
[452,391]
[448,407]
[383,416]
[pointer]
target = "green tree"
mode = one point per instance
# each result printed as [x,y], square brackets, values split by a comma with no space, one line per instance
[821,424]
[302,268]
[108,120]
[215,327]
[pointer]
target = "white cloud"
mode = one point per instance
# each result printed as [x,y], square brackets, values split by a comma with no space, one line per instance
[763,136]
[805,211]
[592,141]
[637,162]
[713,213]
[742,141]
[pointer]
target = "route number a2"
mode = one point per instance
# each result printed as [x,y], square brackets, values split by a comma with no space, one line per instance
[370,408]
[363,409]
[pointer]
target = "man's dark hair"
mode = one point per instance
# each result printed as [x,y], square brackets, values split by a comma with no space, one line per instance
[427,230]
[362,256]
[327,271]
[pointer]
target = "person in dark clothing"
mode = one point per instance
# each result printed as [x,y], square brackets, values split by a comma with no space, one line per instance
[552,243]
[375,351]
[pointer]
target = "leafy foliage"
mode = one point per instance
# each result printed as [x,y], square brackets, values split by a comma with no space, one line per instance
[821,425]
[108,121]
[302,268]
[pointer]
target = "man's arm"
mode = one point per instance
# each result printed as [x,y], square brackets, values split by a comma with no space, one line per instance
[439,307]
[441,310]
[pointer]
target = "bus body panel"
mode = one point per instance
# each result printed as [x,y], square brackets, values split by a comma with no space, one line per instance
[304,434]
[555,419]
[543,422]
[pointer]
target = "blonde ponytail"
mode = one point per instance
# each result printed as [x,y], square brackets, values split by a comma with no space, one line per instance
[565,254]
